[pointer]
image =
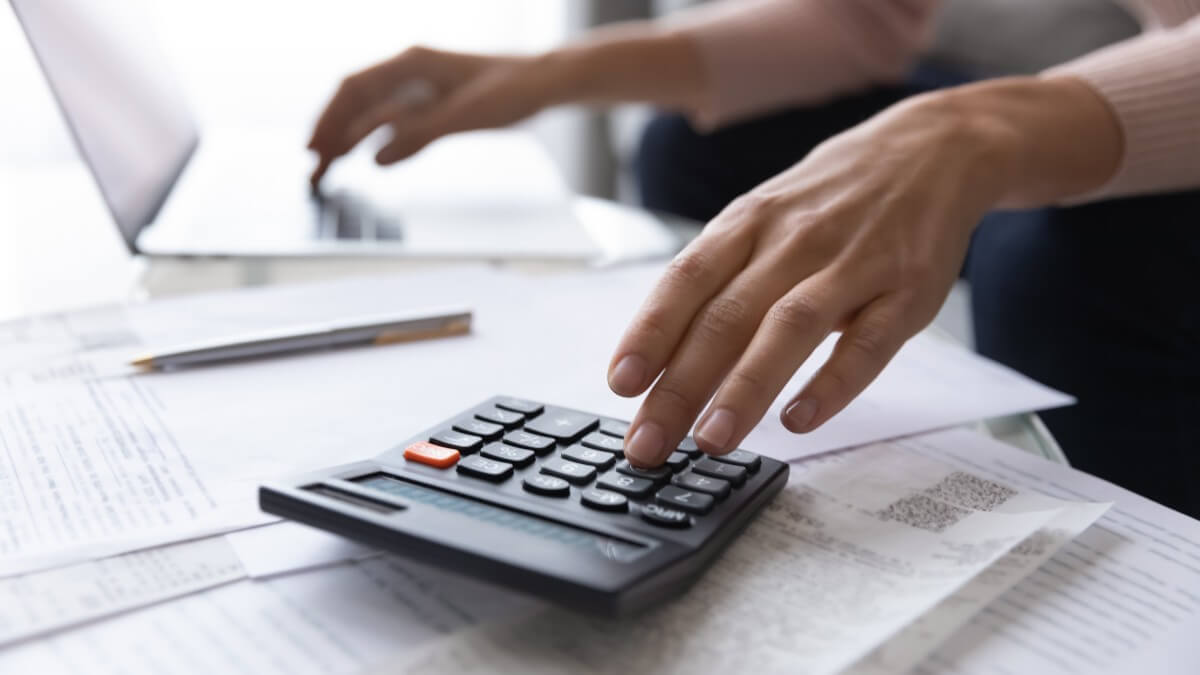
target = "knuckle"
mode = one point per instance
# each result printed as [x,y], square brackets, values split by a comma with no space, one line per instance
[754,205]
[722,316]
[652,324]
[672,394]
[748,385]
[688,268]
[414,53]
[795,312]
[869,341]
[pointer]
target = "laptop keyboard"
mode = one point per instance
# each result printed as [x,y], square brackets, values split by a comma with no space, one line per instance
[344,215]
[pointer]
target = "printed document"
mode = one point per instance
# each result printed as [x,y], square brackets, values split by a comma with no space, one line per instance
[1123,597]
[64,597]
[857,546]
[335,620]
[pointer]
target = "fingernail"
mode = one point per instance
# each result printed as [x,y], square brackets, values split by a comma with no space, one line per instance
[800,414]
[627,376]
[716,429]
[646,446]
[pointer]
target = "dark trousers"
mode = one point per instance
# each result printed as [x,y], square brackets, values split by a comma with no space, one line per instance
[1101,301]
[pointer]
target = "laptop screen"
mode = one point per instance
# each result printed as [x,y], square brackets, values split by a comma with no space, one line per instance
[129,120]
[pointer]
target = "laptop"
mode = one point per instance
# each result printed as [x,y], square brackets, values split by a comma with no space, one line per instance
[175,192]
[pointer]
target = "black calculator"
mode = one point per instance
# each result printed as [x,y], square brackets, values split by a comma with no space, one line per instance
[539,498]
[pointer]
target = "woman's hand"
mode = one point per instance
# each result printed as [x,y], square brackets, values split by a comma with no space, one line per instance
[423,94]
[866,235]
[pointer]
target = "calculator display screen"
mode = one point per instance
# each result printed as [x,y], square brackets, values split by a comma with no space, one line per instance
[550,530]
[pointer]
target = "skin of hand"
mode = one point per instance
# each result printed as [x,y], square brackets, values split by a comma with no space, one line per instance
[865,236]
[638,61]
[453,84]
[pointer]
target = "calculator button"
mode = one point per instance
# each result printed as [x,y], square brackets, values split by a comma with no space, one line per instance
[547,486]
[629,486]
[433,455]
[597,458]
[678,461]
[603,500]
[464,443]
[731,472]
[485,430]
[741,458]
[716,487]
[505,418]
[520,405]
[664,516]
[600,441]
[687,500]
[523,439]
[562,425]
[482,467]
[658,474]
[507,453]
[689,446]
[612,428]
[579,474]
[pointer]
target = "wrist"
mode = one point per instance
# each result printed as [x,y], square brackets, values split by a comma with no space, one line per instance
[1047,139]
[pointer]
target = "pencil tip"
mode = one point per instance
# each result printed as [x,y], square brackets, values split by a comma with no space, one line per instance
[142,361]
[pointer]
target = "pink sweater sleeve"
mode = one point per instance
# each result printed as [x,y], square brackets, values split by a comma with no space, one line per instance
[1152,83]
[766,54]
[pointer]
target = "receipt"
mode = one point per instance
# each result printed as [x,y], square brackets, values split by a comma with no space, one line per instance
[66,596]
[857,546]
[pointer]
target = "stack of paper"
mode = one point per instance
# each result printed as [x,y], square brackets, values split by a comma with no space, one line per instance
[115,487]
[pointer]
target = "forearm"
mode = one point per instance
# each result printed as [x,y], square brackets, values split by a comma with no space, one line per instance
[632,62]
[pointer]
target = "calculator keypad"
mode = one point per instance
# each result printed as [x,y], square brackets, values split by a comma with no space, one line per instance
[505,418]
[686,500]
[693,481]
[574,472]
[523,439]
[600,441]
[613,428]
[485,430]
[478,466]
[518,457]
[711,467]
[604,500]
[658,474]
[432,455]
[464,443]
[597,458]
[562,425]
[630,486]
[527,408]
[560,453]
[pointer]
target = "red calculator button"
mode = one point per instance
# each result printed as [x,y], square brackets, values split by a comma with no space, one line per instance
[433,455]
